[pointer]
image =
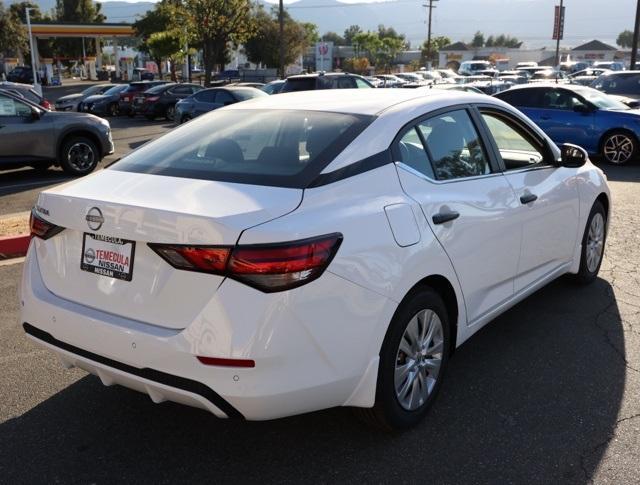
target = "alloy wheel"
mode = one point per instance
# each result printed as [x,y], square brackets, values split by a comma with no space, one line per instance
[595,242]
[419,359]
[81,156]
[618,148]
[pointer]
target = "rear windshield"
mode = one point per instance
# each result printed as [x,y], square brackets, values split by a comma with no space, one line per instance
[284,148]
[299,84]
[618,83]
[158,88]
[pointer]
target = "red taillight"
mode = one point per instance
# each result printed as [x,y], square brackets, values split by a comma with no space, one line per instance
[125,98]
[205,259]
[226,362]
[152,99]
[267,267]
[46,104]
[41,228]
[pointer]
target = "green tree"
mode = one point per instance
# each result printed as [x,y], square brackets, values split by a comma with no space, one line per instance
[154,21]
[390,32]
[214,25]
[350,33]
[45,46]
[625,39]
[77,11]
[390,48]
[333,37]
[311,29]
[478,39]
[13,35]
[167,45]
[367,44]
[491,41]
[437,43]
[264,46]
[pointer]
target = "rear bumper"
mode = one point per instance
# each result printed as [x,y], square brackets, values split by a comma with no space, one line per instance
[315,357]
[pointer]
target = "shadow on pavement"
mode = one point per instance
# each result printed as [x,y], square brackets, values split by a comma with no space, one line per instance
[16,181]
[621,173]
[525,401]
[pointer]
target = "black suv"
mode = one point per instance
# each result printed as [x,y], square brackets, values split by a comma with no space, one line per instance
[330,80]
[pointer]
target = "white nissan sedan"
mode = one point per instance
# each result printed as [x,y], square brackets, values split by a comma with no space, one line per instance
[309,250]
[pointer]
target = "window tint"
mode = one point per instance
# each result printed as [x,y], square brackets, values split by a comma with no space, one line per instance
[345,82]
[560,99]
[413,154]
[516,148]
[182,90]
[454,146]
[285,148]
[11,107]
[206,96]
[299,84]
[526,98]
[223,97]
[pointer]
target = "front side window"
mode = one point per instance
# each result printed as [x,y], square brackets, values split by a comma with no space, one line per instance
[223,97]
[206,96]
[284,148]
[362,84]
[454,146]
[517,149]
[561,99]
[11,107]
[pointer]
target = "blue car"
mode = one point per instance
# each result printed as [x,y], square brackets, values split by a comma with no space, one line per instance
[580,115]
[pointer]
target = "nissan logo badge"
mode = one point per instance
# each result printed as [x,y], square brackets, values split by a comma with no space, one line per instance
[94,219]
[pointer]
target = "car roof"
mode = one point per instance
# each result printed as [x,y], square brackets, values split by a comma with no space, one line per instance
[355,101]
[320,74]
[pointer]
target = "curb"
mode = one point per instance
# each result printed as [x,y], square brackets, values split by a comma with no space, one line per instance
[14,246]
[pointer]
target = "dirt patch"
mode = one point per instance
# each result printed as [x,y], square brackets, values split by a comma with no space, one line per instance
[14,224]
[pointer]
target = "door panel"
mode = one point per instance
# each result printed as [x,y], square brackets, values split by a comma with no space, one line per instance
[23,138]
[471,210]
[550,223]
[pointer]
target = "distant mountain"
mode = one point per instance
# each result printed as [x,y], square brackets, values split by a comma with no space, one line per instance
[529,20]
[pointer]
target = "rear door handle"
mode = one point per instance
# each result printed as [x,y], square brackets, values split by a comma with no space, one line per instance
[528,198]
[443,217]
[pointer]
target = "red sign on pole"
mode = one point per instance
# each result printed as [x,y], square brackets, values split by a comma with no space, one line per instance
[558,24]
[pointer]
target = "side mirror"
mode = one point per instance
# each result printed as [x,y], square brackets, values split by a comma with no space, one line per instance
[572,156]
[35,114]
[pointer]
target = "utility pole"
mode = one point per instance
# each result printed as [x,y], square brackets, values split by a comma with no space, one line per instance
[636,34]
[281,22]
[36,85]
[430,6]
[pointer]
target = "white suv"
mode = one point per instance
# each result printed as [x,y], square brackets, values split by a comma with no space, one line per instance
[309,250]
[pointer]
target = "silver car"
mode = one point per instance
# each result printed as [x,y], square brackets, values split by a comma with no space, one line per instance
[33,136]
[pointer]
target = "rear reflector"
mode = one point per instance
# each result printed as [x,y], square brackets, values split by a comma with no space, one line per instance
[226,362]
[266,267]
[41,228]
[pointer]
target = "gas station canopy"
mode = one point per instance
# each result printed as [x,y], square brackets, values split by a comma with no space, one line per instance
[52,30]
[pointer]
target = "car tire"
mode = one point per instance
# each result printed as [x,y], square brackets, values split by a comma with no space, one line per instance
[619,147]
[410,373]
[113,110]
[185,118]
[79,155]
[593,243]
[170,113]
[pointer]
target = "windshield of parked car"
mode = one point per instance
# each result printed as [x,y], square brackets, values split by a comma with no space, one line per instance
[601,100]
[92,90]
[160,88]
[285,148]
[115,90]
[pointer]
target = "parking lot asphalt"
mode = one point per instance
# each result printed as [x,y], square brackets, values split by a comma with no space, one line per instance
[19,188]
[547,393]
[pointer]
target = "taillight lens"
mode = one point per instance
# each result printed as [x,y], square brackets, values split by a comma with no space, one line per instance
[46,104]
[41,228]
[152,98]
[266,267]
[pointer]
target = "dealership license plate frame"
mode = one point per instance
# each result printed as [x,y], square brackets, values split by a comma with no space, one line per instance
[109,273]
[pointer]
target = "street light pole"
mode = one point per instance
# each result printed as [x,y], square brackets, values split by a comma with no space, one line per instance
[36,85]
[636,34]
[281,24]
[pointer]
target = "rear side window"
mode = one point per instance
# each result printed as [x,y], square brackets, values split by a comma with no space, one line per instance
[525,98]
[206,96]
[223,97]
[285,148]
[299,84]
[454,146]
